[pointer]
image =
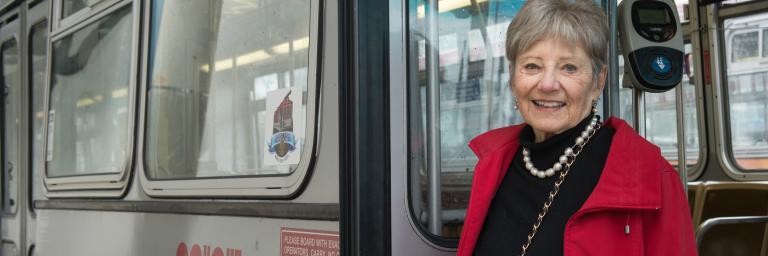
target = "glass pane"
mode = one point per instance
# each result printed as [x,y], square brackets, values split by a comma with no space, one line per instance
[474,96]
[691,115]
[72,6]
[744,47]
[765,43]
[626,98]
[219,72]
[682,9]
[747,95]
[731,2]
[38,51]
[661,121]
[88,117]
[11,121]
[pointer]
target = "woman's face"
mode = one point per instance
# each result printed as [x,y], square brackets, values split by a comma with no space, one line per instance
[554,86]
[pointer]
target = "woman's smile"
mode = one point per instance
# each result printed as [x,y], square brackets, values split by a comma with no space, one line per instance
[548,105]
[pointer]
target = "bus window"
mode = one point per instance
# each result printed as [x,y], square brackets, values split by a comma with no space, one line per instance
[747,78]
[661,121]
[744,46]
[70,7]
[474,96]
[682,10]
[10,150]
[626,98]
[732,2]
[227,94]
[37,62]
[765,42]
[89,104]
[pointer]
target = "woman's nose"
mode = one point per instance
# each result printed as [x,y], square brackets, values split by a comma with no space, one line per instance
[549,81]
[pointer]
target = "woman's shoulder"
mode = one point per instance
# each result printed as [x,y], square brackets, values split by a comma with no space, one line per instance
[626,138]
[633,148]
[494,139]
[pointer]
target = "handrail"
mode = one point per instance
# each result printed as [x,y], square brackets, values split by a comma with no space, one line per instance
[434,195]
[708,224]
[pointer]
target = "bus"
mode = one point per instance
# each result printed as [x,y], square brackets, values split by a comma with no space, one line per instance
[325,127]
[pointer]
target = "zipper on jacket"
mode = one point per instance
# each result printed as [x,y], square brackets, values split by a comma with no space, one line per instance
[626,228]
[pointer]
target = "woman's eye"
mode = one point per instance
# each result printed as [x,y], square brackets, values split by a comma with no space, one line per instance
[530,67]
[570,69]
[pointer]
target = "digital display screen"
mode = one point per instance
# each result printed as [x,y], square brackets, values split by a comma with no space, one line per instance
[653,16]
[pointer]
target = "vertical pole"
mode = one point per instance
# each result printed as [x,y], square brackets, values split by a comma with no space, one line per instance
[433,117]
[611,107]
[681,169]
[638,110]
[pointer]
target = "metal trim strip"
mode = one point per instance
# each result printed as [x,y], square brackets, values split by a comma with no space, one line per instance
[304,211]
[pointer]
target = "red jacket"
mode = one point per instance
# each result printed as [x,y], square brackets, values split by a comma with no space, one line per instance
[637,188]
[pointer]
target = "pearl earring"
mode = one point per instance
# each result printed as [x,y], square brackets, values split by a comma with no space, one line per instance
[594,107]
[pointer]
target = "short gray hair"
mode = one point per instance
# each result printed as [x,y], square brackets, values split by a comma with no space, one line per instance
[580,21]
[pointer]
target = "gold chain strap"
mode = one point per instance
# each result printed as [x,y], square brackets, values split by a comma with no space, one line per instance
[540,218]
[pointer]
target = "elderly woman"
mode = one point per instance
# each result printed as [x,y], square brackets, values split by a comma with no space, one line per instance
[565,183]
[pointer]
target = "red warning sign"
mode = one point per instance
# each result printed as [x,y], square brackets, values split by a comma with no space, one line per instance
[304,242]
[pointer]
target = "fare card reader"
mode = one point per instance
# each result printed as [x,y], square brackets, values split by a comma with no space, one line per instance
[652,43]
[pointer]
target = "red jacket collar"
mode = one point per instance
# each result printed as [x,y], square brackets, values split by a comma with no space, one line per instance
[628,181]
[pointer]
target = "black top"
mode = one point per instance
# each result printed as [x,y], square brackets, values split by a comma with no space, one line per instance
[521,195]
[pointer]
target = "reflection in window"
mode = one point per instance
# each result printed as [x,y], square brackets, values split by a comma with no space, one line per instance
[765,43]
[72,6]
[730,2]
[682,9]
[744,46]
[37,61]
[626,112]
[747,106]
[88,118]
[661,121]
[214,68]
[11,121]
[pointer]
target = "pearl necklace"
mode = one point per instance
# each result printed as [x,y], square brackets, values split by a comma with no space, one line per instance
[580,141]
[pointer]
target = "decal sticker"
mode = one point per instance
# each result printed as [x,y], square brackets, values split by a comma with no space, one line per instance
[304,242]
[283,127]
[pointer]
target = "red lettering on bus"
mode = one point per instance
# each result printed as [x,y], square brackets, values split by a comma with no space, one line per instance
[196,251]
[218,252]
[206,250]
[181,250]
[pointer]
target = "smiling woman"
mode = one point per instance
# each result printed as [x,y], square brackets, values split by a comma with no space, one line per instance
[521,200]
[554,86]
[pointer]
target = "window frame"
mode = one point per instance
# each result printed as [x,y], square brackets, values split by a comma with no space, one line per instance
[13,35]
[695,171]
[5,4]
[108,185]
[59,21]
[721,61]
[37,15]
[401,112]
[282,186]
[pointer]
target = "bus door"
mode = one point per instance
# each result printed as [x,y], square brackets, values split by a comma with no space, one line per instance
[452,85]
[12,130]
[36,60]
